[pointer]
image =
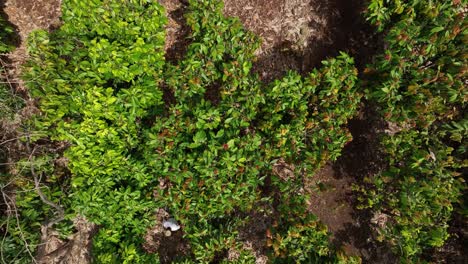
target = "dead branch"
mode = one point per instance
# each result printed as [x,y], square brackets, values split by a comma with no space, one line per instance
[37,187]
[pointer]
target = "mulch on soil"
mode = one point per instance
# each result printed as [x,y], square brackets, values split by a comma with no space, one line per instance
[299,34]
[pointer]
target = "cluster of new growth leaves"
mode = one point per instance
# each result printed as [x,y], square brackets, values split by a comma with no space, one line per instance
[203,157]
[420,87]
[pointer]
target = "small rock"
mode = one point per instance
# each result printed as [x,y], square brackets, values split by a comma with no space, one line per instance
[172,224]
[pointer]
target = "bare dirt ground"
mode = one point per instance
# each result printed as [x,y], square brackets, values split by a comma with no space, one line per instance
[361,158]
[164,242]
[332,197]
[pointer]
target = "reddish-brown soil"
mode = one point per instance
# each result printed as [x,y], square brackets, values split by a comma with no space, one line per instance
[29,15]
[167,244]
[330,201]
[332,197]
[361,158]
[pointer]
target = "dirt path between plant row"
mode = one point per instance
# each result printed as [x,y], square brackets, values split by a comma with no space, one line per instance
[298,35]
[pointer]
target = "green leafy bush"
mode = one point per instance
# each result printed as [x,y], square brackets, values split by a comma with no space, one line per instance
[203,157]
[218,141]
[420,78]
[97,76]
[424,184]
[27,213]
[304,118]
[419,85]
